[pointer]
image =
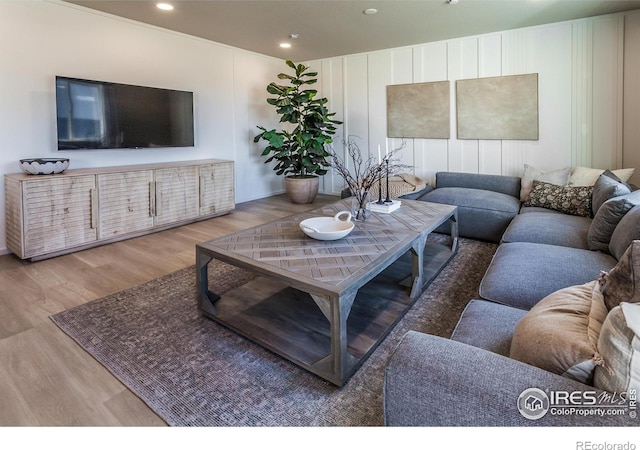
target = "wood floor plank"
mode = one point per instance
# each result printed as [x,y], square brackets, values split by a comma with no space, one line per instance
[46,379]
[48,374]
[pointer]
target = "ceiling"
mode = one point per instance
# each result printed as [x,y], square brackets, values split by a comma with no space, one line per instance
[331,28]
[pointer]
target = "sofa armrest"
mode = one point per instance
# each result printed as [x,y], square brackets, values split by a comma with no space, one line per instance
[497,183]
[432,381]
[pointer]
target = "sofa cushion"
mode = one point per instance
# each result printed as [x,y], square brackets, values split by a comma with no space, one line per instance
[608,186]
[529,209]
[560,334]
[418,194]
[567,199]
[622,283]
[607,218]
[474,198]
[523,273]
[482,214]
[497,183]
[586,176]
[545,228]
[619,346]
[488,325]
[559,177]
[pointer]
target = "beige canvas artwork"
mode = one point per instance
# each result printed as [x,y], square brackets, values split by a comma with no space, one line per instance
[419,110]
[498,107]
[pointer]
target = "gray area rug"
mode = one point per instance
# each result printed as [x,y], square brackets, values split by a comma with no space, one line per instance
[194,372]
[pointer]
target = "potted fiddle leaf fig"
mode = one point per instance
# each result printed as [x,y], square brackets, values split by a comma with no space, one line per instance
[300,150]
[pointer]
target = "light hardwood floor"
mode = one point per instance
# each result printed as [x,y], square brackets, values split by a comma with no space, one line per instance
[46,379]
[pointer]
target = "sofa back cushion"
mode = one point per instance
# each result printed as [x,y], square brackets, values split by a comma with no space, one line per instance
[498,183]
[627,231]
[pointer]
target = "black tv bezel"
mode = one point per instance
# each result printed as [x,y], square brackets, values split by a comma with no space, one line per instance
[110,83]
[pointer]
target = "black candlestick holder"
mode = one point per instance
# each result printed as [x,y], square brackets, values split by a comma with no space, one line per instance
[388,199]
[380,202]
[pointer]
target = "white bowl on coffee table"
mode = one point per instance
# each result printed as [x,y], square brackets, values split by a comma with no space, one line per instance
[328,228]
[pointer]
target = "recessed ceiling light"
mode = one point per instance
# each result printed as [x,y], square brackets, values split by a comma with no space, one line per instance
[285,45]
[370,11]
[165,6]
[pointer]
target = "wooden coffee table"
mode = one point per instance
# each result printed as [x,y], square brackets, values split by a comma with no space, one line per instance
[326,305]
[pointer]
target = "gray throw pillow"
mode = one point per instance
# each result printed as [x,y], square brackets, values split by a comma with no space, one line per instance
[627,231]
[608,186]
[607,218]
[619,285]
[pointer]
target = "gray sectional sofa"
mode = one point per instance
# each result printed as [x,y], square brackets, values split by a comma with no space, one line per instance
[470,379]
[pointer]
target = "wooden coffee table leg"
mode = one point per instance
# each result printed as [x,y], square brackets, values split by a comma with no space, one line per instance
[205,297]
[335,367]
[417,266]
[454,231]
[420,277]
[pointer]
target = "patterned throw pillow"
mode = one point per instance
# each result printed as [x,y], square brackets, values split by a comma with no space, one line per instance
[574,200]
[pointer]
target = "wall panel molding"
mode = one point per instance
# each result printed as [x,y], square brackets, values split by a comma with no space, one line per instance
[580,66]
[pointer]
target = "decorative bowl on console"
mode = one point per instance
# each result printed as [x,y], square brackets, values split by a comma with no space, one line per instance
[44,166]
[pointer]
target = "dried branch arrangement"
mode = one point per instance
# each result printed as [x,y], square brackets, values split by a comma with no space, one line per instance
[366,172]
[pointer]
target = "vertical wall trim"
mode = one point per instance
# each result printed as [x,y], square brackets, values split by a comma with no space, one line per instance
[620,95]
[582,95]
[454,113]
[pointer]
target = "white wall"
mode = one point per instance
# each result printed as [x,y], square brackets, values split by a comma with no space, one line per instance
[40,39]
[579,65]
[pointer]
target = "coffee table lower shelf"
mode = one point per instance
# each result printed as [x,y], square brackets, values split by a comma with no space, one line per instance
[288,322]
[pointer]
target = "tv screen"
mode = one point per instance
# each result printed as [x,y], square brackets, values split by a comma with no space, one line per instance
[102,115]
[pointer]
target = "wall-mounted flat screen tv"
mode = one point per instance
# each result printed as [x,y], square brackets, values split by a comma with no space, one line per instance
[102,115]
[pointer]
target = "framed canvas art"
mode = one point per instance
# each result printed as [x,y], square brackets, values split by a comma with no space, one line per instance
[498,107]
[419,110]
